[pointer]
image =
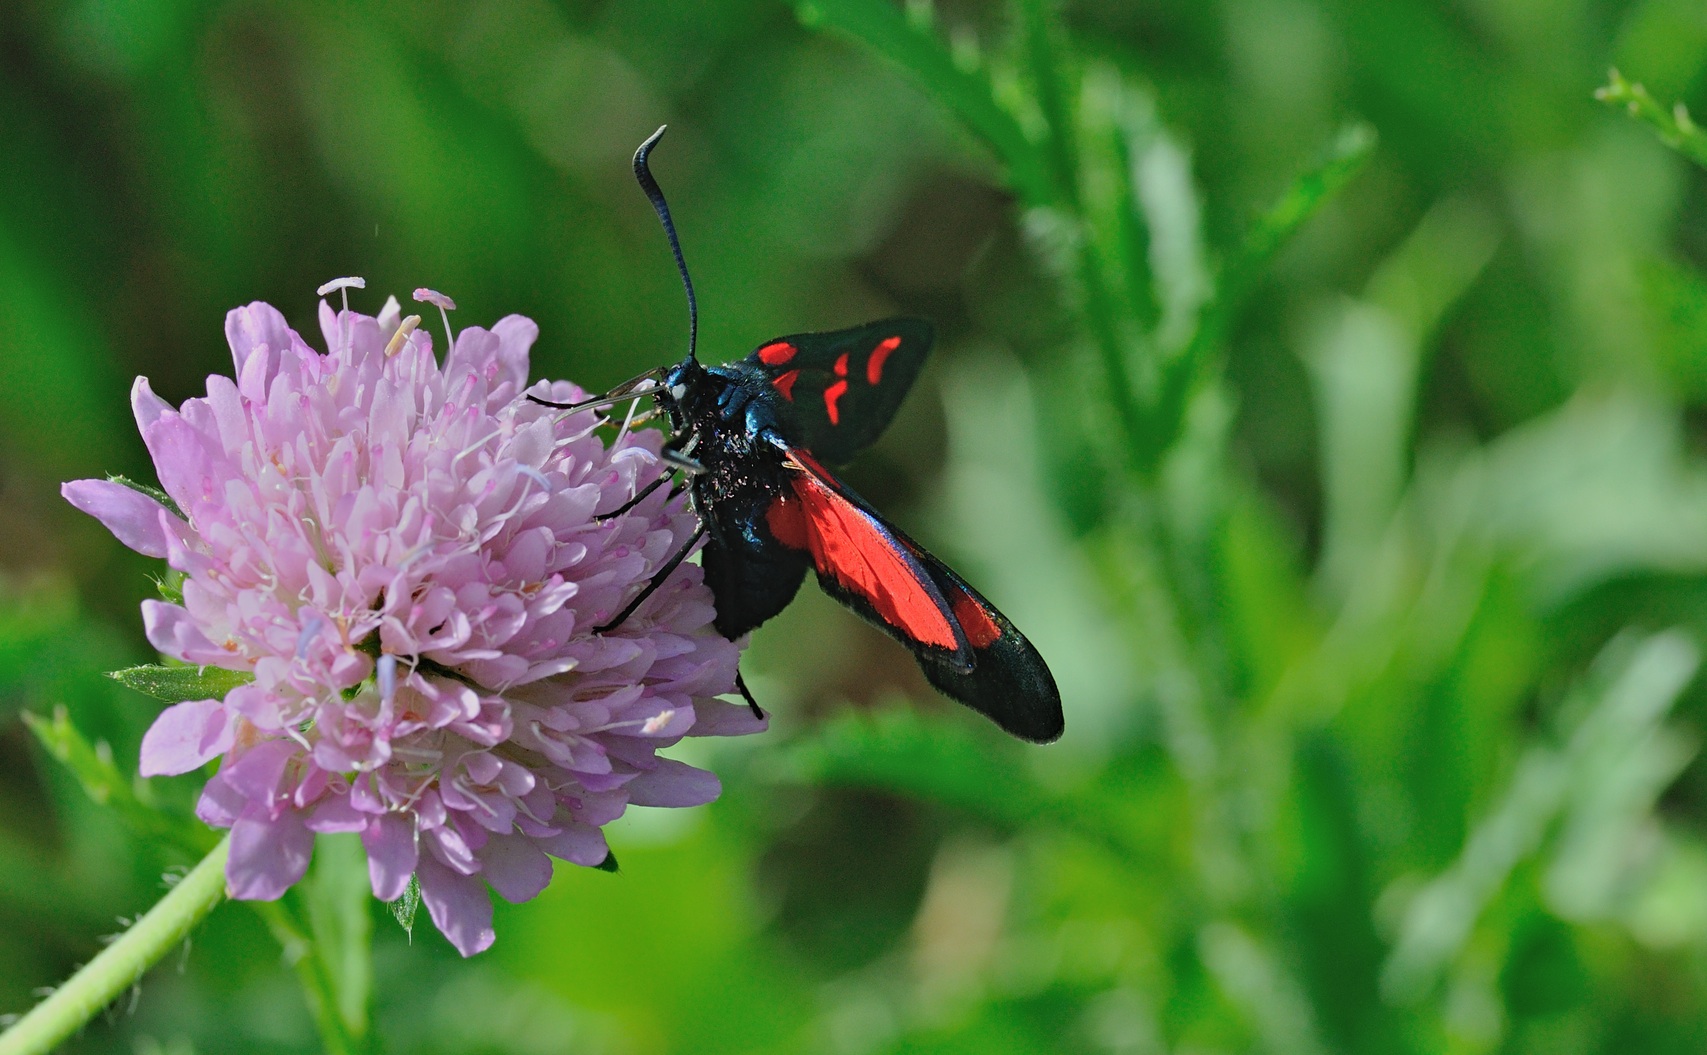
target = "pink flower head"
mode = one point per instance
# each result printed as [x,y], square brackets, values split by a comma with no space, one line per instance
[407,557]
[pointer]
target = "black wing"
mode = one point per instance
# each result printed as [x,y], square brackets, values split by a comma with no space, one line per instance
[834,393]
[968,649]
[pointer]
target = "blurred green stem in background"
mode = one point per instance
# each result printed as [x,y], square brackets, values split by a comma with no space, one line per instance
[1675,127]
[123,963]
[331,955]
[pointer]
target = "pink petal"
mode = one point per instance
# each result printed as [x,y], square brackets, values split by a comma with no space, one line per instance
[458,904]
[391,855]
[183,461]
[170,630]
[130,515]
[516,334]
[257,772]
[146,405]
[220,804]
[517,869]
[185,736]
[673,784]
[256,326]
[267,856]
[580,844]
[335,814]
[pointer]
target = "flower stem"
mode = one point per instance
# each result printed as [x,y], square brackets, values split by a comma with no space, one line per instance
[123,963]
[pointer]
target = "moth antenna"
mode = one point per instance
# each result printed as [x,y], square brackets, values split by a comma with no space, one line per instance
[643,174]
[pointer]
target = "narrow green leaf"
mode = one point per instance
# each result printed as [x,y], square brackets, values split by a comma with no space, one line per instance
[1054,86]
[966,93]
[1350,150]
[92,765]
[404,908]
[1675,127]
[177,684]
[153,492]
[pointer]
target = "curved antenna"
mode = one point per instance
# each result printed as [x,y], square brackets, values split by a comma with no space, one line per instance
[656,196]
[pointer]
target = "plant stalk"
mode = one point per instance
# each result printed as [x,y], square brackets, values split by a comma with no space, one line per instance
[123,963]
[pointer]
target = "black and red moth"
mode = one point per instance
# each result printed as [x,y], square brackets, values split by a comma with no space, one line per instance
[753,437]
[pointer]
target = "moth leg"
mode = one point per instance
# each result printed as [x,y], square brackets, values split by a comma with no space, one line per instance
[746,694]
[657,581]
[639,496]
[681,461]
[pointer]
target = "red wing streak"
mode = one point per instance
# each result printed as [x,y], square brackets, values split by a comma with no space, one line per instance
[777,353]
[874,365]
[981,630]
[850,547]
[832,395]
[784,383]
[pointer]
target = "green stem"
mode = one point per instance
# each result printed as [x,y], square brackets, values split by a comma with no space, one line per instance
[317,987]
[123,963]
[1102,315]
[1675,127]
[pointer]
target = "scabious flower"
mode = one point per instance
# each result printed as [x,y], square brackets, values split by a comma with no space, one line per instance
[407,557]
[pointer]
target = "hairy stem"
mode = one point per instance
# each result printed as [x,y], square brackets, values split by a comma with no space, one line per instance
[123,963]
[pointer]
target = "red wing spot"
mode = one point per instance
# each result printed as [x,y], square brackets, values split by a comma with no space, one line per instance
[787,523]
[847,546]
[784,383]
[980,629]
[874,365]
[841,366]
[831,395]
[776,353]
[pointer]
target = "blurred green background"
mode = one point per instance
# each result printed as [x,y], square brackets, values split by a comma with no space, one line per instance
[1322,386]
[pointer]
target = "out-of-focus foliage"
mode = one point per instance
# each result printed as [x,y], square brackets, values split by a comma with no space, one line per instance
[1321,387]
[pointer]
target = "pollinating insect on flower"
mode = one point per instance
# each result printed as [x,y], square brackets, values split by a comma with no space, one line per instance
[409,559]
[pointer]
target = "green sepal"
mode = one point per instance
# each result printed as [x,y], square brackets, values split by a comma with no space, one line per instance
[608,864]
[177,684]
[153,492]
[404,908]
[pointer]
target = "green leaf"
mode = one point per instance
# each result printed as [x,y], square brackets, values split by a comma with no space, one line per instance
[609,863]
[177,684]
[404,908]
[966,93]
[153,492]
[1589,790]
[1675,127]
[92,765]
[900,750]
